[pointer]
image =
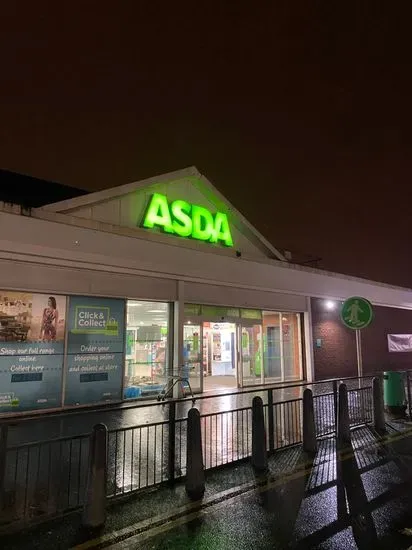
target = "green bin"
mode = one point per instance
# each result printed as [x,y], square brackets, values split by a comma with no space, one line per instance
[394,392]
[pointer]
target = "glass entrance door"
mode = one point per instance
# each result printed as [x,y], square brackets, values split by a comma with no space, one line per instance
[219,356]
[251,356]
[192,355]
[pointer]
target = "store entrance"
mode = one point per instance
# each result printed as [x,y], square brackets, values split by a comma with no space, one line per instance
[219,356]
[229,348]
[210,355]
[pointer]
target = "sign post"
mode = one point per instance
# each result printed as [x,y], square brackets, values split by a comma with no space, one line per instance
[359,352]
[356,314]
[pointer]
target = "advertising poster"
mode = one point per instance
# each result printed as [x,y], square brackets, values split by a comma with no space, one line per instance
[32,328]
[95,350]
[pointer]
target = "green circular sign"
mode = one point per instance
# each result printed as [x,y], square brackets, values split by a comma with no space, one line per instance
[356,313]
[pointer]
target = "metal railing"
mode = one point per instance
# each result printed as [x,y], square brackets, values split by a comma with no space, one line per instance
[47,478]
[44,478]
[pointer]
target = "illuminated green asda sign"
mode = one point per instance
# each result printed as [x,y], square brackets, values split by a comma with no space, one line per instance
[187,220]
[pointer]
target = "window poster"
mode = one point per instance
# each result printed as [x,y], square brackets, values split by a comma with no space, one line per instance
[95,350]
[32,330]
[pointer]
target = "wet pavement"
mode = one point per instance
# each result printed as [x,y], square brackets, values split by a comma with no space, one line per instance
[77,422]
[360,497]
[49,478]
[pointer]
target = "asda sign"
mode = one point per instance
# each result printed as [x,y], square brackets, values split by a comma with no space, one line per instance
[187,220]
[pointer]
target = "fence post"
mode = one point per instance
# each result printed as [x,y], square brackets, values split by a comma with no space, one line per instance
[309,429]
[343,416]
[378,413]
[195,474]
[271,422]
[94,510]
[259,454]
[3,455]
[335,404]
[408,387]
[172,441]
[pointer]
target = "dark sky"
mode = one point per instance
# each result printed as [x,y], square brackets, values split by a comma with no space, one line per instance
[298,111]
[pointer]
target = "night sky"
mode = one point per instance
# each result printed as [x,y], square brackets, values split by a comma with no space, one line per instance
[299,112]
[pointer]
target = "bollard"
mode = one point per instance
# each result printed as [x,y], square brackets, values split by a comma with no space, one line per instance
[94,510]
[309,429]
[343,416]
[195,474]
[378,407]
[259,454]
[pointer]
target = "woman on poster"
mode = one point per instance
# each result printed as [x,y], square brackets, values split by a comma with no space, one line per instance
[50,319]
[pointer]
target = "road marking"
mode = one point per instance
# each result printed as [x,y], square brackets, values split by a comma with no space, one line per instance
[148,528]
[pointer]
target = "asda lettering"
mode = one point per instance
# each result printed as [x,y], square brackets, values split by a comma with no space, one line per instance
[187,220]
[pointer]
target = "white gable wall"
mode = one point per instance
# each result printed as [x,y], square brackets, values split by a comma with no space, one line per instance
[128,211]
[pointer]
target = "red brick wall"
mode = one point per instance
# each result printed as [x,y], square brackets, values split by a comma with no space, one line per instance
[375,354]
[337,354]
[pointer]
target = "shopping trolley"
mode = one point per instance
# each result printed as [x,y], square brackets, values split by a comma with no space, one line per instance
[173,380]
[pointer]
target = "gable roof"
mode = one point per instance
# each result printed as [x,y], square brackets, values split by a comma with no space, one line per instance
[191,173]
[32,192]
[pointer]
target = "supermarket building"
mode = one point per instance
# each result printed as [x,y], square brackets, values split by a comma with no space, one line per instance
[103,296]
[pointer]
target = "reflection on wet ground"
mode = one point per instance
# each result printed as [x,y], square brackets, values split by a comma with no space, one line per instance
[358,497]
[81,422]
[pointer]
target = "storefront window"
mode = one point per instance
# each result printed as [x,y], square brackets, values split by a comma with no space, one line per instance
[95,350]
[251,346]
[282,346]
[292,348]
[147,330]
[272,347]
[32,328]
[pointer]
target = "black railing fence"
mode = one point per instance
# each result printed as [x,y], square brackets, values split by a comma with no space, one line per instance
[47,478]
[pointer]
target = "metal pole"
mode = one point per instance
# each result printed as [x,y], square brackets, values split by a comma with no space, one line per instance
[172,441]
[359,352]
[359,357]
[271,422]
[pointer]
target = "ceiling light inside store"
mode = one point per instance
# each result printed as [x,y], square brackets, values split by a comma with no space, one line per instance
[329,305]
[155,311]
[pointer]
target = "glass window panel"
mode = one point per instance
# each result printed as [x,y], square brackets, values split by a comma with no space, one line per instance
[291,346]
[32,328]
[147,348]
[192,309]
[251,346]
[192,354]
[251,314]
[95,346]
[272,348]
[213,312]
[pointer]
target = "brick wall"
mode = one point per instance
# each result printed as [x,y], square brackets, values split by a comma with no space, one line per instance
[336,355]
[375,354]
